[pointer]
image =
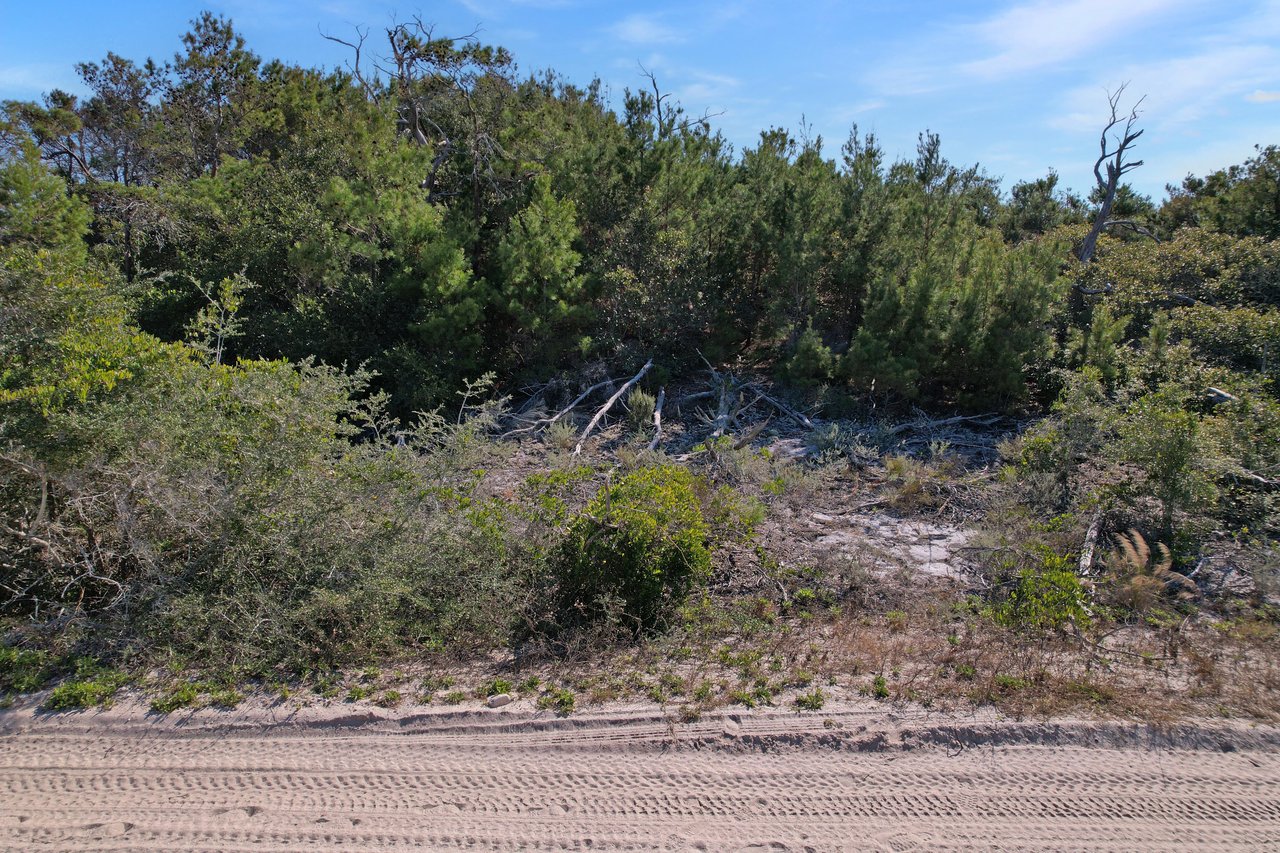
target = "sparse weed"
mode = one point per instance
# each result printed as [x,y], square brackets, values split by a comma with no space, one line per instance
[811,701]
[182,696]
[558,699]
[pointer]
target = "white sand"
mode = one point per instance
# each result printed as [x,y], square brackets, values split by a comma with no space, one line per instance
[855,778]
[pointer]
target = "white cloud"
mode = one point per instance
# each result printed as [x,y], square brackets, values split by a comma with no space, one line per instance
[1179,91]
[36,78]
[1258,96]
[847,113]
[1044,33]
[706,88]
[1023,38]
[645,30]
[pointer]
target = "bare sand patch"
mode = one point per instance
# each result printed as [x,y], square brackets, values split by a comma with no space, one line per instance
[630,778]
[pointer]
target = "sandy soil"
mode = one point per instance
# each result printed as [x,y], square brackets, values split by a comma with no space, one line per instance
[629,779]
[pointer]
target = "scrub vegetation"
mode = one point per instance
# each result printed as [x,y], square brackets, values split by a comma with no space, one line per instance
[306,372]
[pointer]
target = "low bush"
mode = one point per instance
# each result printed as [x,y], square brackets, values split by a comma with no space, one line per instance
[24,670]
[639,546]
[640,406]
[1044,598]
[92,686]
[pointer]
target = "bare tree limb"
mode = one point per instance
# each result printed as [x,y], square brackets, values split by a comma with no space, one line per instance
[547,422]
[609,404]
[785,409]
[1113,149]
[1130,225]
[657,418]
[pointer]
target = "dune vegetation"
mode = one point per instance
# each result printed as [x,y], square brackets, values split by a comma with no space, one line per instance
[345,380]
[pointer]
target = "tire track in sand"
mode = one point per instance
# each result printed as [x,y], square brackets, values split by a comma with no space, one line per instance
[769,782]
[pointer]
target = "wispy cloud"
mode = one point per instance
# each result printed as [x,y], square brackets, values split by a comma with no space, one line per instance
[1037,35]
[844,114]
[1258,96]
[1181,90]
[36,78]
[704,88]
[645,30]
[1023,38]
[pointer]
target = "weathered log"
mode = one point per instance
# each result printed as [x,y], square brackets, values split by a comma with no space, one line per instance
[782,407]
[721,421]
[546,422]
[1090,545]
[609,404]
[751,434]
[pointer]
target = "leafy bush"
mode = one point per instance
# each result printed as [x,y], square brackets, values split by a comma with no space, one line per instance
[24,670]
[811,362]
[92,685]
[182,696]
[642,542]
[811,701]
[640,406]
[1045,597]
[559,699]
[1164,441]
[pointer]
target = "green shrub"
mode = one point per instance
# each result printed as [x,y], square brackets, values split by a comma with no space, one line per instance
[24,670]
[559,699]
[1045,598]
[811,701]
[493,687]
[811,362]
[641,542]
[640,406]
[182,696]
[92,686]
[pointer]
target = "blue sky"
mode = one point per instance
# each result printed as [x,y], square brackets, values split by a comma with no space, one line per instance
[1019,86]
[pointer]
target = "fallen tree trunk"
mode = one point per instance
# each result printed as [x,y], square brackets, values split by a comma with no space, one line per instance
[782,407]
[1090,545]
[609,404]
[546,422]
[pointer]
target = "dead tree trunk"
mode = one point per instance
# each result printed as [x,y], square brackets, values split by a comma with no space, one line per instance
[1113,159]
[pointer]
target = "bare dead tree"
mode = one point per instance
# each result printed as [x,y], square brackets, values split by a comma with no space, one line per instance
[1115,147]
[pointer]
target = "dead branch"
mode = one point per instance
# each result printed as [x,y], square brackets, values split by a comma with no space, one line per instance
[657,418]
[782,407]
[547,422]
[1090,545]
[924,424]
[609,404]
[679,402]
[721,421]
[752,434]
[1113,149]
[1094,291]
[1130,225]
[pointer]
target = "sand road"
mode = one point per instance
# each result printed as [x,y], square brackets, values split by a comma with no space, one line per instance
[515,779]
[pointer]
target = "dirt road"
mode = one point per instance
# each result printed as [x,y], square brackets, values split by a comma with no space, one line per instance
[515,779]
